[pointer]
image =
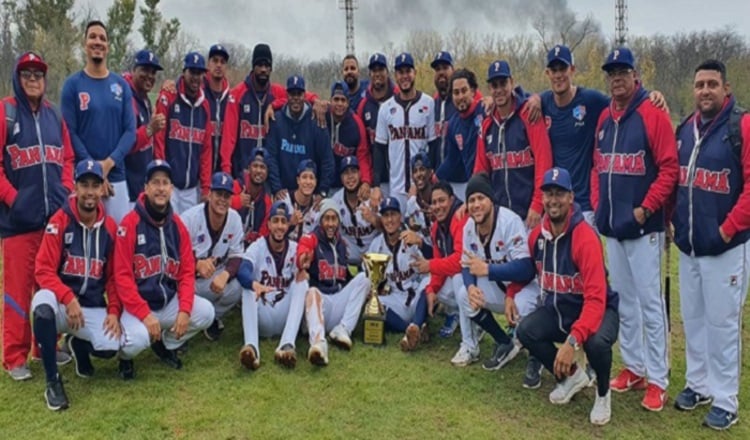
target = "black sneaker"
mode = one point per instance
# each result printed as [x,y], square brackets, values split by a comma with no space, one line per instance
[501,355]
[55,395]
[79,349]
[169,357]
[126,369]
[213,333]
[533,377]
[182,349]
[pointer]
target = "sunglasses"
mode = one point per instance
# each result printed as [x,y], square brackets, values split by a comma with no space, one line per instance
[28,74]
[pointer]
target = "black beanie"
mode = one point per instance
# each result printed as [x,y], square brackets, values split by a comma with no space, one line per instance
[480,183]
[262,52]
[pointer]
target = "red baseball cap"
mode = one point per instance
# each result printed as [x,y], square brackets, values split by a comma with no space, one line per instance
[31,59]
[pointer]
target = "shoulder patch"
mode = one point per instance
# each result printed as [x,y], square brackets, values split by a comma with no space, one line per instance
[51,229]
[121,231]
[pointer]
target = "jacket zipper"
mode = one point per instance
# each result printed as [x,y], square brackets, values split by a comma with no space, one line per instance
[216,136]
[44,163]
[502,147]
[190,147]
[609,178]
[164,257]
[86,259]
[690,180]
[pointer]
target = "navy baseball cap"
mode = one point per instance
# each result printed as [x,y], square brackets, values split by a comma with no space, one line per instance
[498,69]
[258,152]
[560,53]
[389,204]
[377,59]
[557,177]
[442,57]
[89,167]
[295,82]
[194,60]
[222,182]
[349,162]
[307,165]
[279,208]
[158,165]
[404,59]
[421,158]
[620,57]
[147,58]
[218,49]
[340,88]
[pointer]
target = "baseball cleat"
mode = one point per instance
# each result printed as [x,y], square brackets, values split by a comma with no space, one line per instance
[465,356]
[126,369]
[214,331]
[565,390]
[602,410]
[79,348]
[286,356]
[340,337]
[55,396]
[167,356]
[654,399]
[720,419]
[411,338]
[533,377]
[249,357]
[688,400]
[424,334]
[21,372]
[501,355]
[449,326]
[626,381]
[318,354]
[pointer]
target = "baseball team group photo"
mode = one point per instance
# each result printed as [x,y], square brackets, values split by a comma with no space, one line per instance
[455,236]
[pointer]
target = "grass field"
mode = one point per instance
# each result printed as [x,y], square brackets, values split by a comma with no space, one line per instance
[369,393]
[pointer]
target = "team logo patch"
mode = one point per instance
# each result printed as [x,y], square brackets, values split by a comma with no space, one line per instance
[121,231]
[51,229]
[83,100]
[201,238]
[231,98]
[547,122]
[367,116]
[116,90]
[679,144]
[601,135]
[733,280]
[176,108]
[478,121]
[68,237]
[141,239]
[540,243]
[579,112]
[393,110]
[16,129]
[489,138]
[460,141]
[474,247]
[246,108]
[517,240]
[268,260]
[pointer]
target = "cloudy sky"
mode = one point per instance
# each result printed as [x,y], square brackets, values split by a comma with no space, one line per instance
[313,29]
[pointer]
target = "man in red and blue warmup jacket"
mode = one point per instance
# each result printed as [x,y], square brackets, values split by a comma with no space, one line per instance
[216,88]
[251,199]
[442,67]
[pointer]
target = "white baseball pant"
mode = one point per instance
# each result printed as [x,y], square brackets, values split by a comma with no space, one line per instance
[459,189]
[118,205]
[447,295]
[184,199]
[223,302]
[272,316]
[324,312]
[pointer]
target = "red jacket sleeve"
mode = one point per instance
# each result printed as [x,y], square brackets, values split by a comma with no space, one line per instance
[588,257]
[279,93]
[542,151]
[127,289]
[69,159]
[363,152]
[448,265]
[663,145]
[114,306]
[206,153]
[436,280]
[229,127]
[515,287]
[186,275]
[48,259]
[306,245]
[595,162]
[263,231]
[482,162]
[738,218]
[311,97]
[160,138]
[7,190]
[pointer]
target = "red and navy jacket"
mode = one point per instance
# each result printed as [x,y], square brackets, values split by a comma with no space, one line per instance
[328,268]
[447,248]
[515,152]
[218,103]
[356,97]
[153,262]
[464,129]
[143,149]
[255,219]
[349,138]
[36,175]
[186,142]
[714,188]
[75,261]
[368,112]
[635,164]
[444,111]
[571,272]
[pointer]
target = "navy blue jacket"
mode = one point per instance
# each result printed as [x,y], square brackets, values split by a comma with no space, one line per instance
[461,138]
[328,270]
[143,150]
[218,104]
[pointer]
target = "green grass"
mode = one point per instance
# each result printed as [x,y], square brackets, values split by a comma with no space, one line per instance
[371,392]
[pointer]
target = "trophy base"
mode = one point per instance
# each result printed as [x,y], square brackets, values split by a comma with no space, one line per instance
[374,329]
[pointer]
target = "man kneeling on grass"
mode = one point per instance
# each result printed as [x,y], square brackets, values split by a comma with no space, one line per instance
[579,308]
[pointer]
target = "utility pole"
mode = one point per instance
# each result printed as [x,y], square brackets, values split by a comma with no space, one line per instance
[621,22]
[349,6]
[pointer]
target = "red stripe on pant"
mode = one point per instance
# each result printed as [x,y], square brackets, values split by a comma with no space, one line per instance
[19,253]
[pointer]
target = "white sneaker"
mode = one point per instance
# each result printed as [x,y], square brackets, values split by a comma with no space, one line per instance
[465,356]
[565,390]
[318,354]
[602,410]
[340,337]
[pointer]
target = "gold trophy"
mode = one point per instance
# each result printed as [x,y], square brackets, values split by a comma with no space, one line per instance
[374,315]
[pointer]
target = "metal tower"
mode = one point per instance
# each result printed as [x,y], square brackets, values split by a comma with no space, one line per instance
[621,22]
[349,6]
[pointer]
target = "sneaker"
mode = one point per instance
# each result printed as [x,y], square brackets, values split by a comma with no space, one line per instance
[62,356]
[167,356]
[411,338]
[21,372]
[340,337]
[55,395]
[84,367]
[424,334]
[627,380]
[689,400]
[565,390]
[126,369]
[720,419]
[182,349]
[465,356]
[318,354]
[286,356]
[602,410]
[214,331]
[533,377]
[654,399]
[249,357]
[449,326]
[501,355]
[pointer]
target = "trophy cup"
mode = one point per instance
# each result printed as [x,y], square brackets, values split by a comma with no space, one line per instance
[374,315]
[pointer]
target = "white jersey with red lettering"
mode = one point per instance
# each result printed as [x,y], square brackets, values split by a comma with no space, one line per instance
[357,232]
[229,242]
[400,276]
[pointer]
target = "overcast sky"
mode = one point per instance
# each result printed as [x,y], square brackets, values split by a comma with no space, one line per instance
[313,29]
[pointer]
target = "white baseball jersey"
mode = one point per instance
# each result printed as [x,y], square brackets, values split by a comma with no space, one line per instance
[414,213]
[309,218]
[357,232]
[229,243]
[399,274]
[269,272]
[406,127]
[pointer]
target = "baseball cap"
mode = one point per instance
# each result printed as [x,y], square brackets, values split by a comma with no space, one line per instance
[295,82]
[279,207]
[421,158]
[256,152]
[389,204]
[89,167]
[498,69]
[340,88]
[622,57]
[158,165]
[443,57]
[557,177]
[404,59]
[31,59]
[222,182]
[218,49]
[377,59]
[262,52]
[307,165]
[560,53]
[147,58]
[194,60]
[349,162]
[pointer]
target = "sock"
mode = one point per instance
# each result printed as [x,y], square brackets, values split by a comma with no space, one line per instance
[485,320]
[45,331]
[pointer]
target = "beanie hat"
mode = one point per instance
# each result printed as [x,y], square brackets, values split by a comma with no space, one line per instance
[480,183]
[262,52]
[328,205]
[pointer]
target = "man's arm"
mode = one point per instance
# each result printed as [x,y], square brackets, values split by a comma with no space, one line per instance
[186,274]
[160,138]
[542,151]
[206,156]
[738,219]
[229,129]
[127,138]
[663,145]
[363,152]
[588,257]
[127,289]
[114,305]
[272,160]
[48,259]
[69,159]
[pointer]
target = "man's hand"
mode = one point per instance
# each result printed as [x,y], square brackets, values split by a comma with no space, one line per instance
[431,297]
[75,315]
[376,196]
[180,325]
[109,190]
[112,327]
[476,297]
[268,117]
[153,327]
[658,100]
[532,219]
[460,212]
[639,215]
[534,107]
[488,104]
[724,235]
[157,124]
[412,190]
[301,276]
[511,311]
[206,267]
[367,213]
[364,192]
[477,266]
[305,260]
[245,200]
[169,86]
[421,265]
[410,237]
[281,195]
[564,360]
[317,200]
[219,282]
[320,110]
[296,218]
[260,290]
